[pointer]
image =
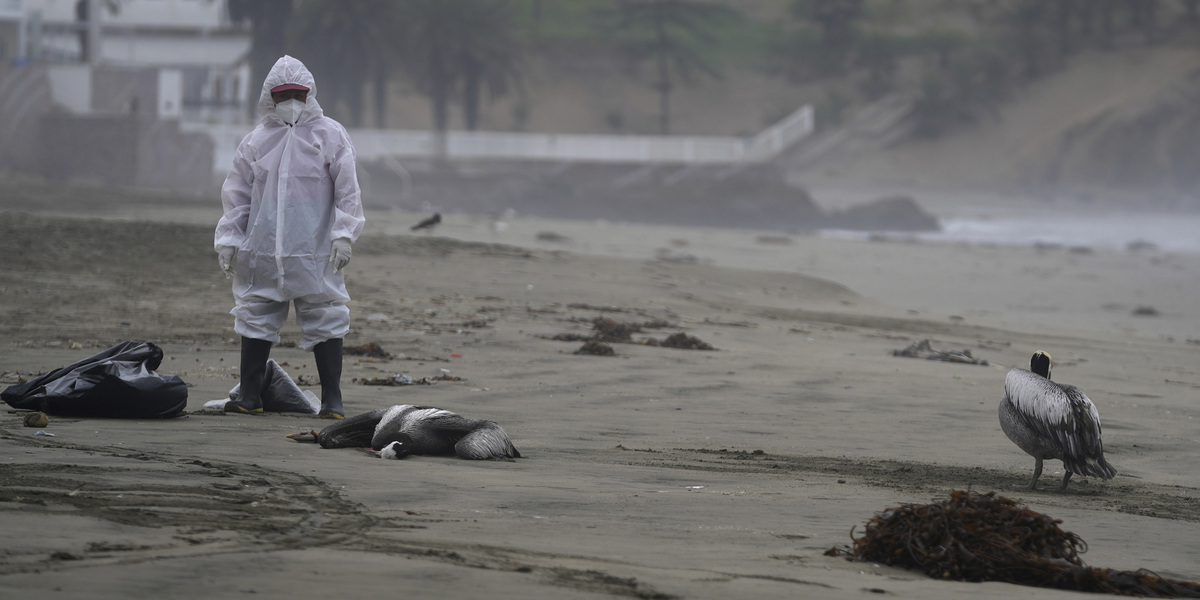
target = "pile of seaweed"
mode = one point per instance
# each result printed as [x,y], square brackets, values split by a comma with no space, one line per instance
[609,331]
[369,349]
[680,340]
[985,537]
[596,348]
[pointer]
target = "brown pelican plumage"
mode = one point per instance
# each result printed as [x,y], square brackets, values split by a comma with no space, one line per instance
[1052,420]
[404,429]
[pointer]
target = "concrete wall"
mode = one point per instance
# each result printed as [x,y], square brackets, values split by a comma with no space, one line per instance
[24,99]
[117,90]
[124,150]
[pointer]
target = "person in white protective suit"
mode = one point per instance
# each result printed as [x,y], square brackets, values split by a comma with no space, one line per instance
[292,207]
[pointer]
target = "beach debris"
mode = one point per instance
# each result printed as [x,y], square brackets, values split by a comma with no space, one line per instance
[708,321]
[41,432]
[779,240]
[680,340]
[596,348]
[985,537]
[370,349]
[1145,311]
[37,419]
[400,379]
[552,237]
[609,331]
[13,377]
[396,380]
[598,308]
[683,258]
[922,349]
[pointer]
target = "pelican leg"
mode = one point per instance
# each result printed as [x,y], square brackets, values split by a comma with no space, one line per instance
[1037,472]
[1066,478]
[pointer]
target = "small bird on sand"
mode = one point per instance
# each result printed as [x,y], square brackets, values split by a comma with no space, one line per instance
[429,223]
[405,429]
[1052,420]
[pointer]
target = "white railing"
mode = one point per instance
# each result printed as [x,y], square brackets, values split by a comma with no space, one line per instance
[12,10]
[390,144]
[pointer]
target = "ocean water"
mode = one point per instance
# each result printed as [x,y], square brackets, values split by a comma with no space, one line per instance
[1175,233]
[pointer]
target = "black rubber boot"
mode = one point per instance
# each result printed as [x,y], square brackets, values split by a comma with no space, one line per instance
[254,377]
[329,368]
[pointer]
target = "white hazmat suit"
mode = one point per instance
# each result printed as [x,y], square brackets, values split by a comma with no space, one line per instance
[292,191]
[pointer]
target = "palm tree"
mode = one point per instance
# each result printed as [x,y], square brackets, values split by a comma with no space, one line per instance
[457,49]
[668,32]
[268,23]
[836,19]
[348,43]
[489,57]
[427,46]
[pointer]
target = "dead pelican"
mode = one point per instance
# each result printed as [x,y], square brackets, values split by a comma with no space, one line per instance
[405,429]
[1051,420]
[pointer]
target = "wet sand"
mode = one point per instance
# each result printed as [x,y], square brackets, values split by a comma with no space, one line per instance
[654,473]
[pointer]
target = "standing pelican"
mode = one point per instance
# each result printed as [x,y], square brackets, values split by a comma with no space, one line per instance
[1052,420]
[404,429]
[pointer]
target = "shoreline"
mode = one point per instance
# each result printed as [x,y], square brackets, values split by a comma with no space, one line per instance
[643,476]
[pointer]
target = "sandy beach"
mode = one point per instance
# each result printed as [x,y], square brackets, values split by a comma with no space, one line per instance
[654,473]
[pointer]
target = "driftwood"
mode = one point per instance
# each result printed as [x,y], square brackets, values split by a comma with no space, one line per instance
[922,349]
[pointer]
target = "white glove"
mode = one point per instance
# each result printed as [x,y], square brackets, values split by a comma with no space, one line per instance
[339,254]
[225,256]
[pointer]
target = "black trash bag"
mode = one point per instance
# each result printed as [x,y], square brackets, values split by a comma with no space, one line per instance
[119,382]
[280,393]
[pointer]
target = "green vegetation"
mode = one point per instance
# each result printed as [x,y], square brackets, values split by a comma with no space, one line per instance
[958,58]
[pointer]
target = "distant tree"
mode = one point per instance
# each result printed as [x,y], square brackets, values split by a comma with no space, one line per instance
[836,19]
[1064,13]
[348,44]
[973,86]
[1143,14]
[489,57]
[268,26]
[1189,7]
[879,56]
[1027,29]
[1107,32]
[458,49]
[669,33]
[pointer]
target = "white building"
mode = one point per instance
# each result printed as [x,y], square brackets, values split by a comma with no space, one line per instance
[199,53]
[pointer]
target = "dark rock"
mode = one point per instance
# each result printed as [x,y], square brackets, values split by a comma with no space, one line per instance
[890,213]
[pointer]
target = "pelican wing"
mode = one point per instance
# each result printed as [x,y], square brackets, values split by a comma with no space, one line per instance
[485,442]
[354,431]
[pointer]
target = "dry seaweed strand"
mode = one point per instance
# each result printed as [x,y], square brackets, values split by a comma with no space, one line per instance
[985,537]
